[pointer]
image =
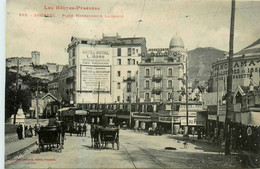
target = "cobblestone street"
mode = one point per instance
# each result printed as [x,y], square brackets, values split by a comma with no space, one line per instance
[137,150]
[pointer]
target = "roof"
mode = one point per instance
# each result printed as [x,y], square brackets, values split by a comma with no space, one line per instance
[253,48]
[176,41]
[48,94]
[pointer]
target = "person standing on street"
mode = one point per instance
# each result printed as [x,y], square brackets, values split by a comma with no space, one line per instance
[84,129]
[35,130]
[18,132]
[21,131]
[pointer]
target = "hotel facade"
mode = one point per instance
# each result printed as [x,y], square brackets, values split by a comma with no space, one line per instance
[104,70]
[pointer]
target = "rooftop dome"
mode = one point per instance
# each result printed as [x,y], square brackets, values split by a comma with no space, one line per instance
[176,42]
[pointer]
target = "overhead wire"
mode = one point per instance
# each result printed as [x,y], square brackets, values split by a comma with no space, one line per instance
[141,19]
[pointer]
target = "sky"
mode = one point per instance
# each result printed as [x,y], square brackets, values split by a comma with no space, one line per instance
[200,23]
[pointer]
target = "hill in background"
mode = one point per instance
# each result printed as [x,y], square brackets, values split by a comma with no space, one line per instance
[200,62]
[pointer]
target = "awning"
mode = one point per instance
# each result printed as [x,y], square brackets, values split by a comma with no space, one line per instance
[254,119]
[81,112]
[66,108]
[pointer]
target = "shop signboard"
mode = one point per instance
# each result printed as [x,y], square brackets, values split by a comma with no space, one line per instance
[192,121]
[191,107]
[222,118]
[183,113]
[212,117]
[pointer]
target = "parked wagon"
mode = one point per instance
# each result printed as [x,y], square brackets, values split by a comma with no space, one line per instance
[50,137]
[102,136]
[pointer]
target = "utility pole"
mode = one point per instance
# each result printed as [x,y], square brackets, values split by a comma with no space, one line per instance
[37,103]
[217,99]
[187,96]
[16,91]
[172,107]
[130,107]
[229,82]
[98,95]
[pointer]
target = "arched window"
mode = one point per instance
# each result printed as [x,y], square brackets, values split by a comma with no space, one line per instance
[169,83]
[169,96]
[147,84]
[147,96]
[170,72]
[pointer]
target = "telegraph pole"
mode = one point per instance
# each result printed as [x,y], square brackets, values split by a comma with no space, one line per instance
[229,81]
[37,103]
[172,107]
[16,89]
[217,98]
[98,95]
[187,96]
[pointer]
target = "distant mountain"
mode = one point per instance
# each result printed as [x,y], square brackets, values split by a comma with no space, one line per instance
[200,62]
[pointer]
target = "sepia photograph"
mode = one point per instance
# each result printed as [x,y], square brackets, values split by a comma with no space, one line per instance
[131,84]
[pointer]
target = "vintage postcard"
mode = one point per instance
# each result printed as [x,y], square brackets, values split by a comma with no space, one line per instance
[132,84]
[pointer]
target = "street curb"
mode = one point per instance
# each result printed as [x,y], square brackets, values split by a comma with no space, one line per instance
[20,151]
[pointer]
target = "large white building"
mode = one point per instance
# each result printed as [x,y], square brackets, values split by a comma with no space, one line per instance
[104,70]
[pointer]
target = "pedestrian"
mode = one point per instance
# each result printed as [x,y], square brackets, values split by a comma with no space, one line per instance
[25,130]
[21,131]
[79,130]
[18,132]
[85,128]
[30,134]
[35,130]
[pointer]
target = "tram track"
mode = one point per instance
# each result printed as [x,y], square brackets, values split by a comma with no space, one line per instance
[151,157]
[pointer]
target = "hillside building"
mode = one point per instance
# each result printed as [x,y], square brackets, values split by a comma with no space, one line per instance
[35,57]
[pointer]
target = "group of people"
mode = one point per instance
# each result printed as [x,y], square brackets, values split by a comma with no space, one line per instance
[27,131]
[81,130]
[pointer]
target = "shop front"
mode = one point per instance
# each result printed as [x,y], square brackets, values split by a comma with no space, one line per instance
[143,121]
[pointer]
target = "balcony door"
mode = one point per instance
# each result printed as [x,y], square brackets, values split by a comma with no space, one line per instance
[158,72]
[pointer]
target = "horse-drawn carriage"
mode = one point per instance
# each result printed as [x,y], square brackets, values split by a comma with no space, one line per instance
[50,137]
[102,136]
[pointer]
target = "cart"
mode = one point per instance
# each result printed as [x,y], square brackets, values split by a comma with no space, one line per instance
[102,136]
[50,137]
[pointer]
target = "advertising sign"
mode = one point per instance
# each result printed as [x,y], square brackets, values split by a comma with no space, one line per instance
[91,76]
[95,55]
[95,68]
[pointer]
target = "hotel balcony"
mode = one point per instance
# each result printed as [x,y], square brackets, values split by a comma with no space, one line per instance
[157,90]
[129,79]
[157,78]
